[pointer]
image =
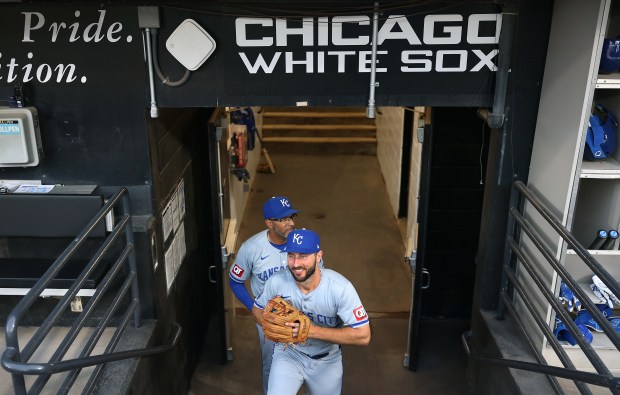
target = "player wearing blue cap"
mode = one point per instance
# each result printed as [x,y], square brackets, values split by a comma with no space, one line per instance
[336,313]
[259,258]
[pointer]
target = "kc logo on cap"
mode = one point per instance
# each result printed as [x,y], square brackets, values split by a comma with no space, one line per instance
[303,241]
[278,207]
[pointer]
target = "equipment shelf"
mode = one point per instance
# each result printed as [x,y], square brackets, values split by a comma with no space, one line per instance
[608,168]
[608,81]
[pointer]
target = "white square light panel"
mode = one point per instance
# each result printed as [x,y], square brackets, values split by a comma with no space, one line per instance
[190,44]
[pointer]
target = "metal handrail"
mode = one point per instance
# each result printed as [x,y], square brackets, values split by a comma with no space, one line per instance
[565,275]
[581,251]
[15,360]
[512,283]
[586,377]
[62,366]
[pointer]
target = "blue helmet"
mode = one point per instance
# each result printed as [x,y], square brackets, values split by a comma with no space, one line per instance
[601,139]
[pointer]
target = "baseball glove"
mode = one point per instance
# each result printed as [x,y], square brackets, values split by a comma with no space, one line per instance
[278,312]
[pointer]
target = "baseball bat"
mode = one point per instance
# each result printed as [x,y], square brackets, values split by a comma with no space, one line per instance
[611,240]
[601,237]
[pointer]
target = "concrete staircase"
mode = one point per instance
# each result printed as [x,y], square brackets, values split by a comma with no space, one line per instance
[116,377]
[319,130]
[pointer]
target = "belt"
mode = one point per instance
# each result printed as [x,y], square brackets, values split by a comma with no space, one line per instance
[317,356]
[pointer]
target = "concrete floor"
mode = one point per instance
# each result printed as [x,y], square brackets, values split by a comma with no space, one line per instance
[343,198]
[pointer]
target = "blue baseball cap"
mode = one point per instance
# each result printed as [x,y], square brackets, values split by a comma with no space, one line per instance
[303,241]
[278,207]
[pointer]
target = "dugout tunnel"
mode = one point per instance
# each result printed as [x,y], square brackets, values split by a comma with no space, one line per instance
[107,120]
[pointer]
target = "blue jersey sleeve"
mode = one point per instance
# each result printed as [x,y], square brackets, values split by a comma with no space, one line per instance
[241,292]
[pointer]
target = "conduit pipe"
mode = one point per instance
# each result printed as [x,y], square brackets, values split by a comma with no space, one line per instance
[373,62]
[165,80]
[496,118]
[149,59]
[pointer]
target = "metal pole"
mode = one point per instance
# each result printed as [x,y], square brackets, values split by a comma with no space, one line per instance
[373,63]
[149,59]
[220,192]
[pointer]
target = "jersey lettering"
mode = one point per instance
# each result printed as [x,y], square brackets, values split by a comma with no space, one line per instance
[237,271]
[322,319]
[268,273]
[360,313]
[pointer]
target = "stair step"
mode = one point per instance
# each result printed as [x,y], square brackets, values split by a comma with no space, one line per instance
[320,133]
[44,352]
[319,139]
[315,114]
[317,127]
[115,378]
[347,110]
[325,121]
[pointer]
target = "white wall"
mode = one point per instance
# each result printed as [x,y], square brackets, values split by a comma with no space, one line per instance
[414,181]
[237,192]
[389,123]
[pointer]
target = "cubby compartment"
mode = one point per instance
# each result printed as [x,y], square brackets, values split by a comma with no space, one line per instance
[610,166]
[610,260]
[597,207]
[610,98]
[582,273]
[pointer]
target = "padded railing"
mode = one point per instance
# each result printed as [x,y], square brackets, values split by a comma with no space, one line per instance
[120,281]
[512,285]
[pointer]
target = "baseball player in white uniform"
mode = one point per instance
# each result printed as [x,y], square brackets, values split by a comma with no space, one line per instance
[336,313]
[259,258]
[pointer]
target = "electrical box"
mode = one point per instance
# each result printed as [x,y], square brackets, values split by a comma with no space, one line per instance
[20,137]
[190,44]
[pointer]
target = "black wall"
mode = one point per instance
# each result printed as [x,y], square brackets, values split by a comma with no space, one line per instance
[511,146]
[95,130]
[92,121]
[459,149]
[177,153]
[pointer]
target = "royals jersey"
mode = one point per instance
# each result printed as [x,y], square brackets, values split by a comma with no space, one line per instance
[334,303]
[259,259]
